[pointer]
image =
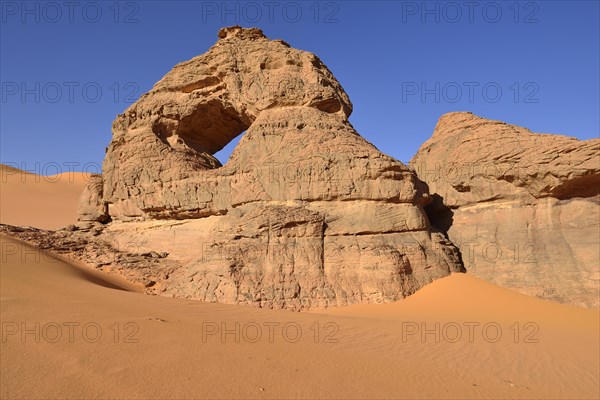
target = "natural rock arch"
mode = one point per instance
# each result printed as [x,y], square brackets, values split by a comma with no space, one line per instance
[231,85]
[201,105]
[335,220]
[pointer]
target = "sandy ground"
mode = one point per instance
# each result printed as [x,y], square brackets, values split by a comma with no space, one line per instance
[69,332]
[47,202]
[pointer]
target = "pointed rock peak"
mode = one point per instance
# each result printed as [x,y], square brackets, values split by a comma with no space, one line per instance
[460,123]
[457,116]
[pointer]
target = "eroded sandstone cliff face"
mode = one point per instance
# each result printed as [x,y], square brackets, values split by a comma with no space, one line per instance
[523,207]
[306,213]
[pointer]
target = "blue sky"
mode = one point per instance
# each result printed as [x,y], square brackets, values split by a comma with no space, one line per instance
[68,68]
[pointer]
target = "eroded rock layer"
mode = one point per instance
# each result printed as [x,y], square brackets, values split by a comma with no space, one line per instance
[523,207]
[306,213]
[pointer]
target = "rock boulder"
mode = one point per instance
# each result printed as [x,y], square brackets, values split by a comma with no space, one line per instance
[523,207]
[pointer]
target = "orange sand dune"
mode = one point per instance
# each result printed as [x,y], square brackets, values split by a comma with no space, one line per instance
[466,296]
[47,202]
[70,332]
[129,345]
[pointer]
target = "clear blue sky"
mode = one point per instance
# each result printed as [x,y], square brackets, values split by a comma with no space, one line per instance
[543,56]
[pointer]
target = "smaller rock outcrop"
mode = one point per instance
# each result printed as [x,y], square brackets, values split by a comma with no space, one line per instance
[92,206]
[523,207]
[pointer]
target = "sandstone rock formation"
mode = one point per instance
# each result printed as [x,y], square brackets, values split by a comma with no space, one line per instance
[306,213]
[522,207]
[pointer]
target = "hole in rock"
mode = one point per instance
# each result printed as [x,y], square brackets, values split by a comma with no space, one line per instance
[211,127]
[209,133]
[224,154]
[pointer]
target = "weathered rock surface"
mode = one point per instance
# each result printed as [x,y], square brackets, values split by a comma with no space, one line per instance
[92,206]
[523,207]
[306,213]
[84,244]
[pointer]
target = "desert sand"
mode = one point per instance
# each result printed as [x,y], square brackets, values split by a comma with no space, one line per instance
[70,332]
[47,202]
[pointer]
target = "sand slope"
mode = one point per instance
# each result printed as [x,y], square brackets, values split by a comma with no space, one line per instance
[169,352]
[47,202]
[69,332]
